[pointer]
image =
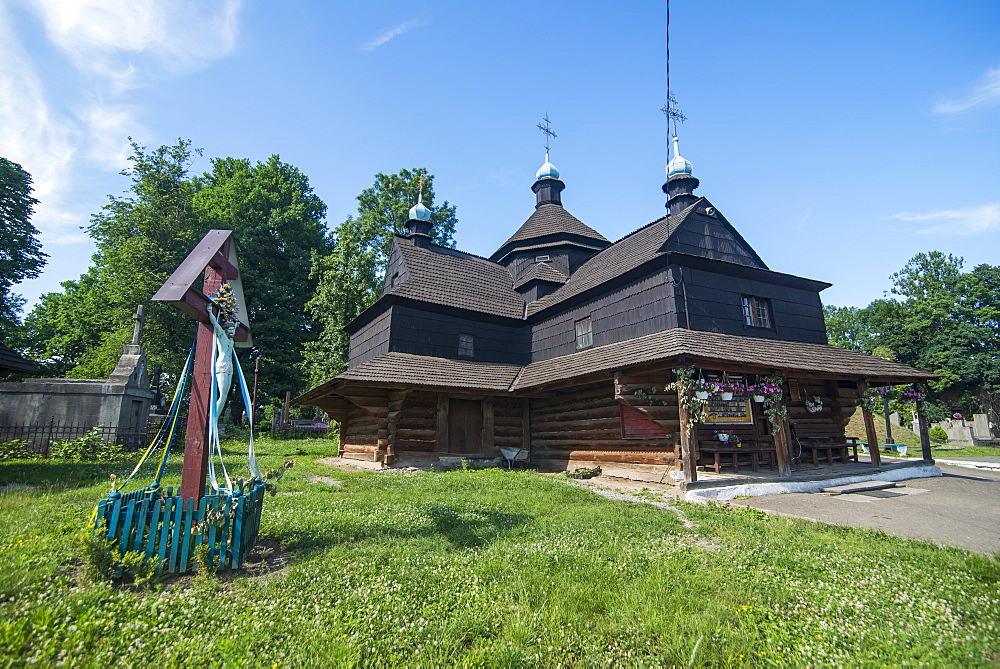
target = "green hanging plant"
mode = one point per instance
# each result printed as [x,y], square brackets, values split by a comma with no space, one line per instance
[685,385]
[773,407]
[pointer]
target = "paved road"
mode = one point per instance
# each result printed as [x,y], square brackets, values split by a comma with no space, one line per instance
[961,508]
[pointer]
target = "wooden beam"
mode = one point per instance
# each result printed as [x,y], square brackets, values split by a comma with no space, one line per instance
[924,431]
[870,434]
[783,446]
[689,455]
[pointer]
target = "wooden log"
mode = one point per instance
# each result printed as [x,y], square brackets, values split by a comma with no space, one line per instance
[571,425]
[415,445]
[578,434]
[689,446]
[645,457]
[423,435]
[360,448]
[592,444]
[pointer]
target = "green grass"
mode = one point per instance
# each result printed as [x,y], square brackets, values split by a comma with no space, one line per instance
[491,568]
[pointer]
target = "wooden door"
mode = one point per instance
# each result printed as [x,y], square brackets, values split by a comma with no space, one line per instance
[465,426]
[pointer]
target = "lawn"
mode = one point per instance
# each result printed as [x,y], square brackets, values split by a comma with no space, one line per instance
[902,435]
[489,568]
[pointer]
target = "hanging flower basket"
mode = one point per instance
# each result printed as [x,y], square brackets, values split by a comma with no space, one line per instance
[758,398]
[912,395]
[701,394]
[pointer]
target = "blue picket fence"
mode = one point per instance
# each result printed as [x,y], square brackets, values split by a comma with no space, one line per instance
[168,528]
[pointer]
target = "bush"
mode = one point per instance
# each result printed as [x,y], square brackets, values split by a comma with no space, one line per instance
[937,433]
[17,449]
[88,448]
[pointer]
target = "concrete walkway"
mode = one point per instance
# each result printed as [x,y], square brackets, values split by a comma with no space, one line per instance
[959,508]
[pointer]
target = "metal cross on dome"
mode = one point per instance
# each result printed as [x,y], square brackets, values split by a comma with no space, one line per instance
[547,129]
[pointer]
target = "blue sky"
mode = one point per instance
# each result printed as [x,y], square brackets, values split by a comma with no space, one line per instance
[839,138]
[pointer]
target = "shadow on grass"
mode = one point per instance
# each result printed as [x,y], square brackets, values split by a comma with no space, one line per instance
[462,529]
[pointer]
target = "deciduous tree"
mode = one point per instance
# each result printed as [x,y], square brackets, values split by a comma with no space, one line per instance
[350,277]
[21,254]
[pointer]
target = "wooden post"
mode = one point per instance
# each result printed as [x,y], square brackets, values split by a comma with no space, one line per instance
[526,424]
[925,437]
[196,446]
[782,446]
[870,435]
[489,430]
[689,456]
[441,446]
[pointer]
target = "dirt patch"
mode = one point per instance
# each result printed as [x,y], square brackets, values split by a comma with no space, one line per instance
[326,480]
[342,465]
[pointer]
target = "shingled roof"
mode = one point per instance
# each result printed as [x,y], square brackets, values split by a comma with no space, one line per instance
[549,220]
[787,356]
[452,278]
[626,254]
[541,271]
[10,361]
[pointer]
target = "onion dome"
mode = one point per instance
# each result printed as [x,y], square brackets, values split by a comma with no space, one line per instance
[419,212]
[677,164]
[547,170]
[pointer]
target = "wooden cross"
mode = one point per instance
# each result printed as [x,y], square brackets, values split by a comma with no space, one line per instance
[215,257]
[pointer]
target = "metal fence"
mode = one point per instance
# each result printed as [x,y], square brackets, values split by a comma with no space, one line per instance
[39,438]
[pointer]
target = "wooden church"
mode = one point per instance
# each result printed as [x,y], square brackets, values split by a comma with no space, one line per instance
[563,343]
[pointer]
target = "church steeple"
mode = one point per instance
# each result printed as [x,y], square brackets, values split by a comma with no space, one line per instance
[547,186]
[681,182]
[420,223]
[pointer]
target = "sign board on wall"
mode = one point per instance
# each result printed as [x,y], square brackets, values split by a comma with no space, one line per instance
[736,411]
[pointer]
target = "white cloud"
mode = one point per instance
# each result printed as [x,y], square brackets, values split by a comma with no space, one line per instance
[103,37]
[109,127]
[987,90]
[952,222]
[33,135]
[384,37]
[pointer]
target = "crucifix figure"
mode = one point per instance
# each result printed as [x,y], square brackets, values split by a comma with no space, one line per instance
[140,319]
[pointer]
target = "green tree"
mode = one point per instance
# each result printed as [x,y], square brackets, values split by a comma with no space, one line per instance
[280,228]
[944,320]
[143,236]
[21,254]
[350,277]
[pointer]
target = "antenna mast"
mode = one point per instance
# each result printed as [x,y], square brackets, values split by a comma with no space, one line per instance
[670,110]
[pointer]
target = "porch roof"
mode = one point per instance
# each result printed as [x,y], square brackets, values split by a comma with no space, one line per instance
[712,348]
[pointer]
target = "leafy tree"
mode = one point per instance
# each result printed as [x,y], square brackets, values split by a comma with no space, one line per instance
[143,236]
[280,228]
[21,254]
[944,320]
[350,277]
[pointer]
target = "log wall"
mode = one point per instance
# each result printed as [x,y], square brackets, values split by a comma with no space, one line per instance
[585,424]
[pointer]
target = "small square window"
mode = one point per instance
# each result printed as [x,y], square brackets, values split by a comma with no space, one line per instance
[584,333]
[465,345]
[756,311]
[541,258]
[394,281]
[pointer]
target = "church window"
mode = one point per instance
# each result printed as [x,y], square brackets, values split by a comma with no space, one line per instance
[541,258]
[756,311]
[584,333]
[465,345]
[395,280]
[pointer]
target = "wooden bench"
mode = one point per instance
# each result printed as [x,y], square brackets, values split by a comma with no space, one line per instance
[843,450]
[755,455]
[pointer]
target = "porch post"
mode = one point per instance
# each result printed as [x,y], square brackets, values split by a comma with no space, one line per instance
[925,437]
[873,452]
[782,450]
[689,458]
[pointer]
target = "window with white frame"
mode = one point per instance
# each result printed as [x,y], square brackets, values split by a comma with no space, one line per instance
[584,333]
